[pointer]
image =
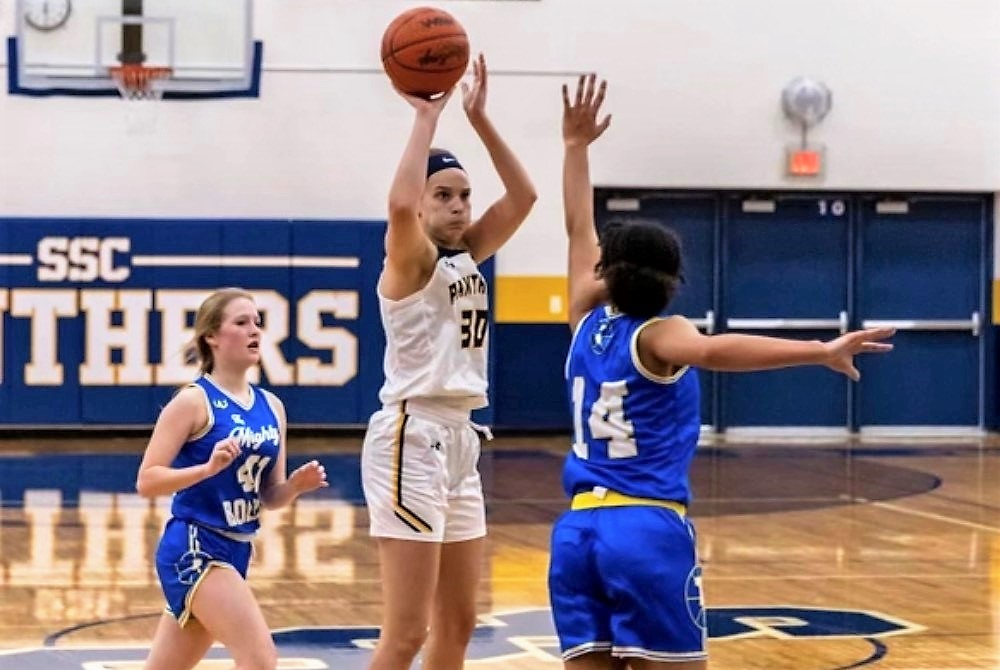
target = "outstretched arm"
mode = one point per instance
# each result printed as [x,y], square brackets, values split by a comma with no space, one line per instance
[409,253]
[674,342]
[580,127]
[501,219]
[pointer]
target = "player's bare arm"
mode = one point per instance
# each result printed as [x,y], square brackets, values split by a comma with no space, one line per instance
[580,127]
[410,255]
[674,342]
[184,416]
[501,219]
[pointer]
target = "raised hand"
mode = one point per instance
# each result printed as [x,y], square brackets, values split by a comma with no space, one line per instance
[308,477]
[427,105]
[841,351]
[474,96]
[580,126]
[223,453]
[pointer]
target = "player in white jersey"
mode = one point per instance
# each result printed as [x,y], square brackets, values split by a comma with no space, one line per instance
[419,460]
[447,361]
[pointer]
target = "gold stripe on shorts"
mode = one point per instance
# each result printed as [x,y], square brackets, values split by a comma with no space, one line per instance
[592,500]
[403,513]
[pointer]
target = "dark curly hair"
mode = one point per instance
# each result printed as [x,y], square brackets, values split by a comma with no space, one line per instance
[641,266]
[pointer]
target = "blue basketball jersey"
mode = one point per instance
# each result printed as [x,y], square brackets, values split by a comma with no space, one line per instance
[633,431]
[229,500]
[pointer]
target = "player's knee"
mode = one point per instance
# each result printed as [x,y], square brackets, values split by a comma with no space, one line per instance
[265,658]
[404,643]
[457,627]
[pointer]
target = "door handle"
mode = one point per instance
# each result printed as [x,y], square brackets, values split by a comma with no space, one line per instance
[838,324]
[972,324]
[707,324]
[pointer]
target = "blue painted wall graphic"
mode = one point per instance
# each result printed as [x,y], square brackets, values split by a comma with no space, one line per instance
[94,314]
[497,638]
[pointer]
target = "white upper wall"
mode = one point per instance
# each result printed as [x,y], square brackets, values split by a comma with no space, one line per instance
[694,89]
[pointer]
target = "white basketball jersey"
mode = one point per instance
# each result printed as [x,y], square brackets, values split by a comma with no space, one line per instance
[437,339]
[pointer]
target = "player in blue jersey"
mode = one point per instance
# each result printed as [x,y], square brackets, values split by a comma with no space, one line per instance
[219,447]
[624,579]
[419,461]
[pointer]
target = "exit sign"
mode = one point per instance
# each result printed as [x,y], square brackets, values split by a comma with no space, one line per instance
[801,162]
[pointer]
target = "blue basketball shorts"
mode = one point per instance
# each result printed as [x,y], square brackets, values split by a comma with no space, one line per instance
[184,556]
[626,580]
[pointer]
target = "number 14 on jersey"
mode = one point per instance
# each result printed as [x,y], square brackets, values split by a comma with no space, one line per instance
[606,420]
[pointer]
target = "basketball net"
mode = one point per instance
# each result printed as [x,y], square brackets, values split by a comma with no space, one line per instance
[141,88]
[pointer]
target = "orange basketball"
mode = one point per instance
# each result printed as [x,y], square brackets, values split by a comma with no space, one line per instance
[425,51]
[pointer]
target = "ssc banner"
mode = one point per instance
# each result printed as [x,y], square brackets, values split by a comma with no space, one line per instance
[95,313]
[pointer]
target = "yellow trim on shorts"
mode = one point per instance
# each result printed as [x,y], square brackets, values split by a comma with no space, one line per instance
[592,500]
[187,614]
[403,513]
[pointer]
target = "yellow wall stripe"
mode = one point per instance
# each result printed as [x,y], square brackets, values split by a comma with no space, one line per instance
[531,299]
[528,299]
[996,301]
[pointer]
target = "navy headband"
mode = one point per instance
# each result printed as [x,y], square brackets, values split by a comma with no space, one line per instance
[442,161]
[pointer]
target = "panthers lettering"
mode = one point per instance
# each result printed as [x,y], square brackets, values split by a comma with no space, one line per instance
[473,284]
[116,335]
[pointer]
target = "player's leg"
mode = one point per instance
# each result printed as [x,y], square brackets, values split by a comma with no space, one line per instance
[404,482]
[409,573]
[599,660]
[176,648]
[182,556]
[453,618]
[642,664]
[224,604]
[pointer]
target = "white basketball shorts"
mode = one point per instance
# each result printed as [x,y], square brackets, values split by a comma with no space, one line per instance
[420,476]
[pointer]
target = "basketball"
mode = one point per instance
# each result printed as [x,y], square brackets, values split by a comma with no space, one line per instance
[425,51]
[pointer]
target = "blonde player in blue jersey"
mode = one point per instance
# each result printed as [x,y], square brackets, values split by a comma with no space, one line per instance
[624,579]
[420,456]
[219,447]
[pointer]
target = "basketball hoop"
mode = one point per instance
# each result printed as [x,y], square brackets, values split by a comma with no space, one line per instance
[141,87]
[139,82]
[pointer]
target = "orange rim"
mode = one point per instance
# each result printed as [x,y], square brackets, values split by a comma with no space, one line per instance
[137,77]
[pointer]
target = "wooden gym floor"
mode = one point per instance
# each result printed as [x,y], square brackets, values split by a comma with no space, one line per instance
[817,556]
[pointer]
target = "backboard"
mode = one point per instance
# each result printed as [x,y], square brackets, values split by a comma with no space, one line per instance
[67,47]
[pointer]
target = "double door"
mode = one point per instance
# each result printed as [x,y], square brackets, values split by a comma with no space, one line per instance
[813,266]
